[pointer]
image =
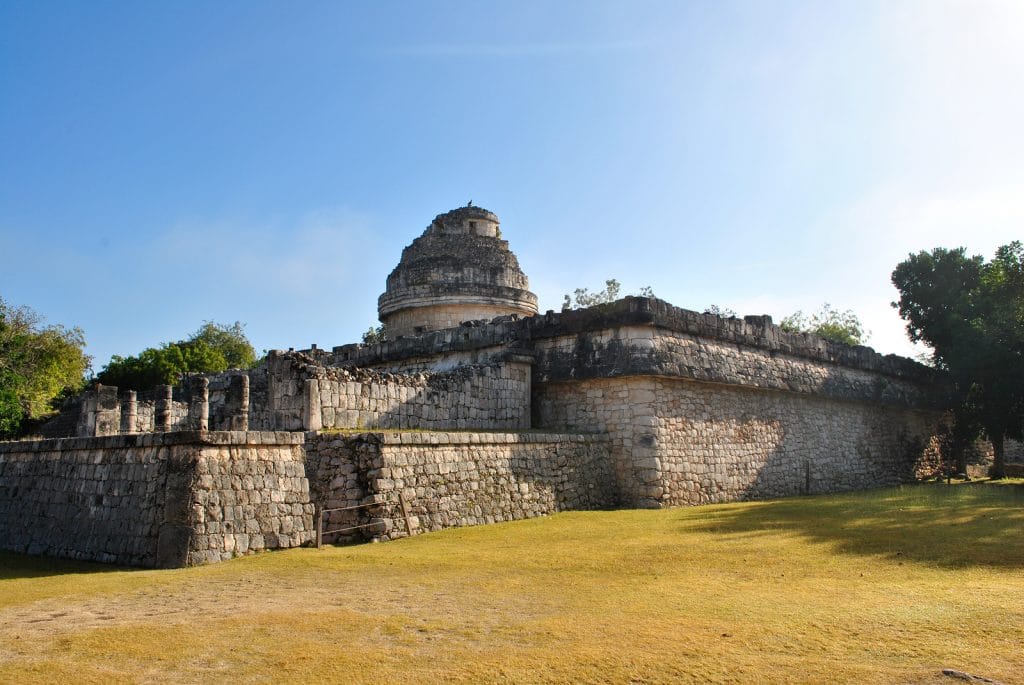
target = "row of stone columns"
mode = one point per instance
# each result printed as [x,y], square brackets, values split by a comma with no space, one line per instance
[103,414]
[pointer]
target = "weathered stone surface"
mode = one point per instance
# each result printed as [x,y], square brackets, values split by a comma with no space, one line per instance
[151,500]
[687,408]
[458,270]
[455,479]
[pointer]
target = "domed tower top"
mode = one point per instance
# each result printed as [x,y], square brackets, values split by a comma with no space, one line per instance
[458,270]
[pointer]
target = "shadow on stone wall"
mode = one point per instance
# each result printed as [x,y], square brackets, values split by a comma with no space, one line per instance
[14,565]
[909,523]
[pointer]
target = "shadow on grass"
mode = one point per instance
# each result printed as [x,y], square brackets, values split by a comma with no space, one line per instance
[14,565]
[978,524]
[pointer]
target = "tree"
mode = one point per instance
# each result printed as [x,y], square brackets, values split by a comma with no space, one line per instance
[213,348]
[971,313]
[828,323]
[38,366]
[723,312]
[229,341]
[375,335]
[583,298]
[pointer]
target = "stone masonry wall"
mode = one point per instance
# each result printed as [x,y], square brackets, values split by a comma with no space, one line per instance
[420,320]
[683,442]
[723,443]
[98,499]
[618,407]
[637,382]
[342,469]
[249,493]
[491,397]
[160,499]
[307,395]
[649,351]
[459,479]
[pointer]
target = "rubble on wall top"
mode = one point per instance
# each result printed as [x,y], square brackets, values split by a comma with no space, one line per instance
[321,367]
[515,334]
[470,211]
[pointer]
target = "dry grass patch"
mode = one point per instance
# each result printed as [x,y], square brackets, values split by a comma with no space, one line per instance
[887,586]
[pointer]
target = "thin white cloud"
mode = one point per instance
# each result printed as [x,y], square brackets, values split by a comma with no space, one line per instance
[514,50]
[324,248]
[896,219]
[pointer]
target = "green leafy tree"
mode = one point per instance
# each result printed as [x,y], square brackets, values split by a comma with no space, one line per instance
[39,365]
[211,349]
[583,298]
[723,312]
[971,313]
[228,341]
[375,335]
[829,323]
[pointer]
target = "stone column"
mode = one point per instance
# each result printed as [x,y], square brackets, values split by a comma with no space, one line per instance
[313,414]
[164,399]
[237,403]
[108,410]
[199,403]
[87,416]
[130,412]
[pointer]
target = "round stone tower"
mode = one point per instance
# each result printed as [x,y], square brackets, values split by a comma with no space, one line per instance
[458,270]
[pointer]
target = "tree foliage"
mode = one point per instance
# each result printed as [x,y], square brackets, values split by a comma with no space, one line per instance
[583,298]
[375,335]
[213,348]
[829,323]
[971,313]
[723,312]
[38,366]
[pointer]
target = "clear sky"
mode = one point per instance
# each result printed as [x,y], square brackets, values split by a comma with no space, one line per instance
[162,164]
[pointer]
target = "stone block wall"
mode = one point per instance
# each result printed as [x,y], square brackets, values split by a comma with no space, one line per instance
[160,499]
[677,441]
[459,479]
[620,408]
[249,493]
[716,443]
[342,469]
[490,397]
[98,499]
[307,395]
[695,419]
[413,322]
[650,351]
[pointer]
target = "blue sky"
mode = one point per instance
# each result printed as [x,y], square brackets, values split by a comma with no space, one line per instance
[164,164]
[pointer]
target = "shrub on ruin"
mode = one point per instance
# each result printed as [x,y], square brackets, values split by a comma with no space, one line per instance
[375,335]
[829,323]
[723,312]
[583,298]
[213,348]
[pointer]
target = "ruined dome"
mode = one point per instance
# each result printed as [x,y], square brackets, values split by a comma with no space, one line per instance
[458,270]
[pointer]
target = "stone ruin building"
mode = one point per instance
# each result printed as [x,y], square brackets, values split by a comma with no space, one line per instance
[476,409]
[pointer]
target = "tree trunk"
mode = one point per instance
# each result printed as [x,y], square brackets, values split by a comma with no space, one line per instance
[998,469]
[960,457]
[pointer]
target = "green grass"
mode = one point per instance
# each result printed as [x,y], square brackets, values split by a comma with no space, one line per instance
[879,587]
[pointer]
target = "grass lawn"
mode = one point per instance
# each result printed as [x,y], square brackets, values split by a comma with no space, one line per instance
[889,586]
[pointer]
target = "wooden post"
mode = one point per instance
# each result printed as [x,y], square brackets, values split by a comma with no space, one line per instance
[319,527]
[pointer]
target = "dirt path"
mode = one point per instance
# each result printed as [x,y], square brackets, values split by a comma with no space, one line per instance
[183,603]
